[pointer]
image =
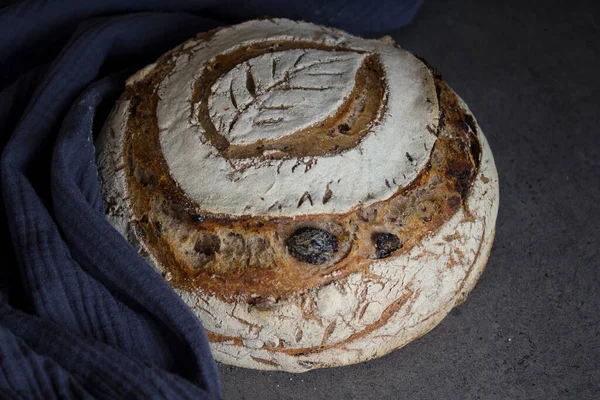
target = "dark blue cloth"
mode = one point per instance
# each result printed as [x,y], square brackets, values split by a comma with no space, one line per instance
[81,314]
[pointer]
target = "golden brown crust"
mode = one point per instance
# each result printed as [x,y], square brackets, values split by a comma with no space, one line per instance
[250,254]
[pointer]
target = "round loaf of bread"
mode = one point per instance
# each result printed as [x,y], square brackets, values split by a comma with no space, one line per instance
[317,199]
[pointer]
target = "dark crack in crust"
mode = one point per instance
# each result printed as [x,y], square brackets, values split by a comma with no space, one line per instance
[252,256]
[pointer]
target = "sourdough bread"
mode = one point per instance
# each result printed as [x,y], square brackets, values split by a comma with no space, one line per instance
[317,199]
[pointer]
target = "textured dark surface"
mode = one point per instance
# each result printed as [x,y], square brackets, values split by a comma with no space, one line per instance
[312,245]
[385,244]
[530,329]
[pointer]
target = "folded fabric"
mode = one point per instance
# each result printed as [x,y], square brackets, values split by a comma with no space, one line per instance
[82,315]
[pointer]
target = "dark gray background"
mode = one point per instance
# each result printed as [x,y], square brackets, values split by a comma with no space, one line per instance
[530,330]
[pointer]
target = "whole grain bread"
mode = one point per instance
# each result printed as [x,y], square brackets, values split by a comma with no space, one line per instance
[317,199]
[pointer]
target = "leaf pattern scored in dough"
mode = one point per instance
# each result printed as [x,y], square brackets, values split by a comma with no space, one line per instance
[277,94]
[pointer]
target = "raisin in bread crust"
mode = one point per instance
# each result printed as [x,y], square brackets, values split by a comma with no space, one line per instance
[394,259]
